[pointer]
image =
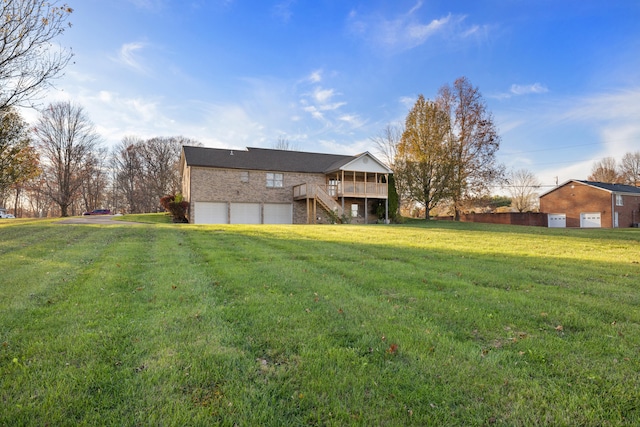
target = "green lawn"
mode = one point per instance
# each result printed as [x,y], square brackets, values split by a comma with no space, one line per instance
[419,324]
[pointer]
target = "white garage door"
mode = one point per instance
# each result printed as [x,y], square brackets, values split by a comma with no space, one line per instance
[211,213]
[557,220]
[245,213]
[590,220]
[278,213]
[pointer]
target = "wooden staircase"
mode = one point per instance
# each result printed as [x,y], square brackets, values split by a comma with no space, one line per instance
[329,203]
[320,195]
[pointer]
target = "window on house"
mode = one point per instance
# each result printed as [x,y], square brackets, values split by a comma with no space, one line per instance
[275,180]
[354,210]
[619,200]
[244,176]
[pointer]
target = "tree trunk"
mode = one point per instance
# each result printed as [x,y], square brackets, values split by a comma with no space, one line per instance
[15,206]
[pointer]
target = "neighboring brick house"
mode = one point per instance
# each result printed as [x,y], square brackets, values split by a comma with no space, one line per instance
[264,186]
[589,204]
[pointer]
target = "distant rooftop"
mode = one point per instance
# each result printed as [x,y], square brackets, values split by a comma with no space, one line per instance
[618,188]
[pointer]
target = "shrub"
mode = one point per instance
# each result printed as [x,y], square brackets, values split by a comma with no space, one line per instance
[176,206]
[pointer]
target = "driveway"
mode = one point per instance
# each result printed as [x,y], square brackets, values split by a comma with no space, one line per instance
[95,219]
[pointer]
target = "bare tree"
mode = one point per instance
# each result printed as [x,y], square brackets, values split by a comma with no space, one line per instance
[523,187]
[160,158]
[66,139]
[387,142]
[422,160]
[605,170]
[630,168]
[39,203]
[284,144]
[95,180]
[146,170]
[28,63]
[128,179]
[475,141]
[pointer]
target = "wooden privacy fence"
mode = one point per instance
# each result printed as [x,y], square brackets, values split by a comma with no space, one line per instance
[535,219]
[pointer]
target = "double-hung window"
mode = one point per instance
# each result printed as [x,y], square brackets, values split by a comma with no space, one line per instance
[619,201]
[275,180]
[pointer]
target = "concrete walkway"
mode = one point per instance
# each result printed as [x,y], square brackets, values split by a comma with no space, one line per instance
[96,220]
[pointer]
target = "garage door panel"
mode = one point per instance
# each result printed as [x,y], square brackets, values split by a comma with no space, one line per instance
[211,213]
[590,220]
[557,220]
[278,213]
[245,213]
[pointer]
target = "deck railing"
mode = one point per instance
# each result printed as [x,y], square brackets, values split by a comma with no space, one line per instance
[348,189]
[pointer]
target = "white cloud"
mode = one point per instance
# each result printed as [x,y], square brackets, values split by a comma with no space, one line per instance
[315,76]
[283,11]
[127,56]
[352,147]
[331,107]
[323,95]
[622,105]
[314,112]
[416,34]
[407,31]
[534,88]
[353,120]
[587,129]
[407,101]
[253,113]
[519,90]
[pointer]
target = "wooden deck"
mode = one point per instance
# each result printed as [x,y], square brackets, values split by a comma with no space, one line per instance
[361,190]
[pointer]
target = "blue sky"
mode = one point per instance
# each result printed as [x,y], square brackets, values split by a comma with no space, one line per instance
[562,78]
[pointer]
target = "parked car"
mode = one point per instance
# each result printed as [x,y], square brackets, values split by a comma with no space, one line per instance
[6,215]
[98,212]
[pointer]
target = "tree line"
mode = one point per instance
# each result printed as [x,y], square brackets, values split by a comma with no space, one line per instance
[627,171]
[59,166]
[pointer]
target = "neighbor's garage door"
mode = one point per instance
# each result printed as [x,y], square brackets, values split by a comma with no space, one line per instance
[278,213]
[211,213]
[557,220]
[245,213]
[590,220]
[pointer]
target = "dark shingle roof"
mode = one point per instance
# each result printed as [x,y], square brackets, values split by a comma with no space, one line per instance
[617,188]
[264,159]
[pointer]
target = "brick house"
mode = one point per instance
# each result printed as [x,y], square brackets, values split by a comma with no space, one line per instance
[264,186]
[589,204]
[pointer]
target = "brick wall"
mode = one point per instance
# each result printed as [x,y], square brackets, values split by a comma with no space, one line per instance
[629,212]
[575,198]
[226,185]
